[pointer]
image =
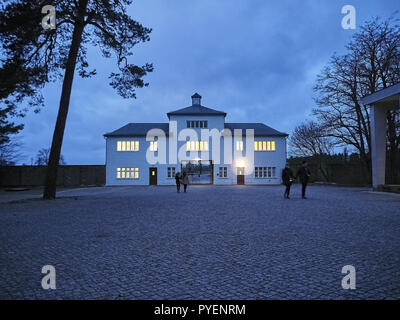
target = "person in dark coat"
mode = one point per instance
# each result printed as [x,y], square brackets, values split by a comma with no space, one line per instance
[185,180]
[287,180]
[178,178]
[304,175]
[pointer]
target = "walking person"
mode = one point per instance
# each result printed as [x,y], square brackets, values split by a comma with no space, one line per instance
[304,174]
[178,178]
[185,180]
[287,180]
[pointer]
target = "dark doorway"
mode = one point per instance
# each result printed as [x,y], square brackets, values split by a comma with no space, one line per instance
[153,176]
[240,176]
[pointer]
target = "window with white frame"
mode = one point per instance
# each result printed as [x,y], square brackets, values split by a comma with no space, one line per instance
[197,146]
[264,146]
[265,172]
[171,172]
[153,146]
[239,145]
[127,173]
[128,145]
[223,172]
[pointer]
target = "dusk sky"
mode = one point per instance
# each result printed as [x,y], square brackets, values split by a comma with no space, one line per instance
[257,60]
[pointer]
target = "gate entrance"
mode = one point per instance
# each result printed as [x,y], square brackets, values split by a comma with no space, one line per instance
[199,171]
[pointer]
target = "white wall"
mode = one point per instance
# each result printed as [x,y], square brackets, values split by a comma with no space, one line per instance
[132,159]
[275,159]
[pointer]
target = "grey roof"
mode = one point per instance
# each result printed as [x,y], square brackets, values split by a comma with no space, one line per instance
[196,110]
[388,95]
[260,129]
[196,95]
[141,129]
[138,129]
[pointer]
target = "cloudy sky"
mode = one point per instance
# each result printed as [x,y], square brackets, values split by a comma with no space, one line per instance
[257,60]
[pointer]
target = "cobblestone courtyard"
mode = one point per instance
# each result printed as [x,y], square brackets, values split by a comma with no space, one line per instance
[214,242]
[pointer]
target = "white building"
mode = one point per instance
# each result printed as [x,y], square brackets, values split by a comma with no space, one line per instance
[196,139]
[380,103]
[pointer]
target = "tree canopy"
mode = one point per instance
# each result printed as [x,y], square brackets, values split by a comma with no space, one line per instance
[371,63]
[32,56]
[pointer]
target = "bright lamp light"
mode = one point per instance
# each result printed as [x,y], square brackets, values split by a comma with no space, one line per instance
[240,164]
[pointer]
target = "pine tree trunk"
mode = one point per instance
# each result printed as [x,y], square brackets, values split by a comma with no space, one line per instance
[51,177]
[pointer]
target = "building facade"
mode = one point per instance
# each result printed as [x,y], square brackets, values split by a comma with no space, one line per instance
[196,139]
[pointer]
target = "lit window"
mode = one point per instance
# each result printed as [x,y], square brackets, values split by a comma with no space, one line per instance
[153,146]
[197,146]
[264,145]
[128,145]
[239,145]
[127,173]
[223,172]
[171,172]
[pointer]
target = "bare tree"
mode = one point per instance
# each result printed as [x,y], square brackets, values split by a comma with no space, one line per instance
[10,152]
[372,62]
[309,140]
[42,158]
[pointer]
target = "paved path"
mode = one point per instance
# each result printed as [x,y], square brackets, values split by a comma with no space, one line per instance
[214,242]
[18,194]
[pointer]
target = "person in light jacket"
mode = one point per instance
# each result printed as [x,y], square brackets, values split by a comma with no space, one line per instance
[185,180]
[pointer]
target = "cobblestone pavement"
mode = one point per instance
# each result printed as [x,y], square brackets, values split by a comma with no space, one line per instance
[215,242]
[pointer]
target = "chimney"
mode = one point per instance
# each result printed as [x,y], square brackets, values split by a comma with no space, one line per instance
[196,99]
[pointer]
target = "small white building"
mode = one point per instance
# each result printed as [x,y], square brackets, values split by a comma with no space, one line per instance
[380,103]
[198,140]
